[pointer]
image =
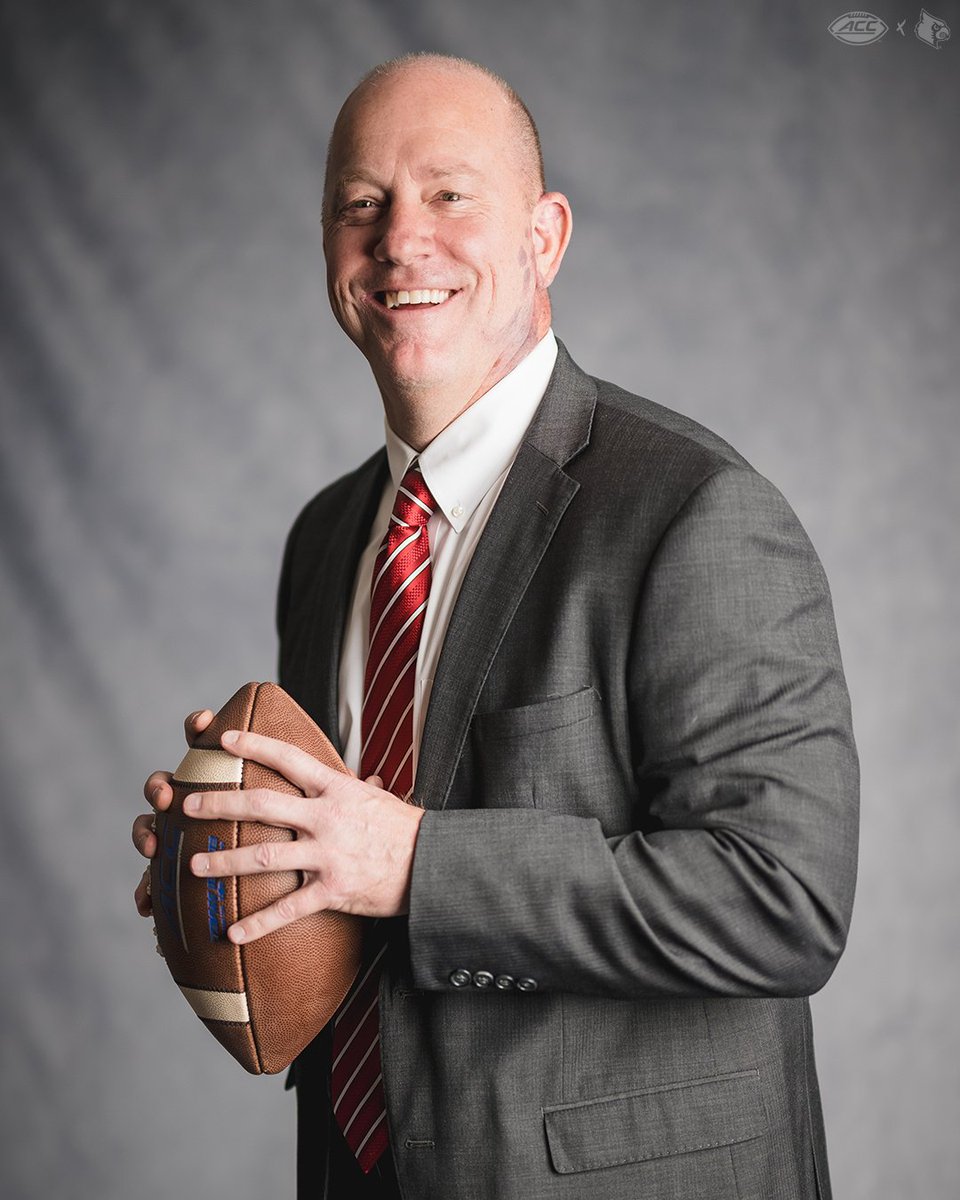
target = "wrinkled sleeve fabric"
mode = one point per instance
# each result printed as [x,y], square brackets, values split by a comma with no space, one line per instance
[741,883]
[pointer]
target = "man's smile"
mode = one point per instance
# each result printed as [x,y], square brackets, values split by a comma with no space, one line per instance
[414,297]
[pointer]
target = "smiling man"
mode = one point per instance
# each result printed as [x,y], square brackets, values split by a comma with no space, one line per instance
[583,661]
[439,238]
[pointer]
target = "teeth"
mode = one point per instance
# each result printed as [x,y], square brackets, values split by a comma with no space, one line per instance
[417,296]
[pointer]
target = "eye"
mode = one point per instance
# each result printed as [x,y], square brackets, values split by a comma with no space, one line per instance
[361,211]
[450,197]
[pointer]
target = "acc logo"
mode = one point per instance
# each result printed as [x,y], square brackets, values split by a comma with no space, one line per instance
[858,28]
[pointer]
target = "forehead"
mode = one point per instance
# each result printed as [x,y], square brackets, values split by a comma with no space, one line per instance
[430,122]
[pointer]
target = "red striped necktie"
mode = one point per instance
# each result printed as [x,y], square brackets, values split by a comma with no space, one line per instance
[398,603]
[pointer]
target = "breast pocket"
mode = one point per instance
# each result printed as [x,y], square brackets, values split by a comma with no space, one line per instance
[554,754]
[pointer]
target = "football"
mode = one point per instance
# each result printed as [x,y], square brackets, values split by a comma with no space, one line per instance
[266,1000]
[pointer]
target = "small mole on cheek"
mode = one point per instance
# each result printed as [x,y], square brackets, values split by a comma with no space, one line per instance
[521,257]
[526,276]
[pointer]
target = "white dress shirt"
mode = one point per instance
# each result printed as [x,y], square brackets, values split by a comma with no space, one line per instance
[464,467]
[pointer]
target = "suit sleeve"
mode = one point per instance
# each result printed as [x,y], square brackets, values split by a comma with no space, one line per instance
[741,883]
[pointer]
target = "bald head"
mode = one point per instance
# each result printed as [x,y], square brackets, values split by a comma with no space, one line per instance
[439,239]
[523,137]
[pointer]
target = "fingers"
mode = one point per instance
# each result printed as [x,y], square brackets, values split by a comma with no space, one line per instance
[252,860]
[270,808]
[196,723]
[289,908]
[301,768]
[142,895]
[158,791]
[144,834]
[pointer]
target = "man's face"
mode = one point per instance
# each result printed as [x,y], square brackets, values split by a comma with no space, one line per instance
[429,235]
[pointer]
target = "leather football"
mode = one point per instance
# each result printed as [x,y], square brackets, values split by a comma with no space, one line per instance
[265,1000]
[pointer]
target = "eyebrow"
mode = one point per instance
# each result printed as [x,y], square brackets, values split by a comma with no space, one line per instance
[458,169]
[455,170]
[359,176]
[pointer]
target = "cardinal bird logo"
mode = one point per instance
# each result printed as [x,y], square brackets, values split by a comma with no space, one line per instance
[932,30]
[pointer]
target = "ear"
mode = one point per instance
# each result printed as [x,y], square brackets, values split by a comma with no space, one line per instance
[552,223]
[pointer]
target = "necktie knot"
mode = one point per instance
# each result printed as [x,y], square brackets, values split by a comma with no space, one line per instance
[414,504]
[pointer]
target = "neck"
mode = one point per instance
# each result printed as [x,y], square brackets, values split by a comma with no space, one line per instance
[418,414]
[417,410]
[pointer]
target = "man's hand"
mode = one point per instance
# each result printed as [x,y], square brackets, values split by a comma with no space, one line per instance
[159,793]
[354,842]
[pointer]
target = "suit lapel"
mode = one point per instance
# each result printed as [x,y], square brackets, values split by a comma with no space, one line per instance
[333,588]
[531,505]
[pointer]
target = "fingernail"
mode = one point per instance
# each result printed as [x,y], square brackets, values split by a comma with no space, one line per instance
[230,737]
[200,864]
[191,803]
[155,793]
[237,934]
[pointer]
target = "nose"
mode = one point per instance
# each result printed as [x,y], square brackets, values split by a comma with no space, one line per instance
[407,233]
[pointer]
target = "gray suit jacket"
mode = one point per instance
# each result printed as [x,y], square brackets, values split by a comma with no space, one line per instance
[641,795]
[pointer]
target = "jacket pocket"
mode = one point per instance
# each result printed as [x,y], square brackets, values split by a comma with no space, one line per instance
[697,1114]
[555,713]
[553,754]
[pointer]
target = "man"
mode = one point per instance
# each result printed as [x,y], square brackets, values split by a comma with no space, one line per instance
[619,708]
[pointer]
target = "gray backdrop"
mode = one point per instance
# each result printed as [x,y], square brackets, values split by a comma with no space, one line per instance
[765,238]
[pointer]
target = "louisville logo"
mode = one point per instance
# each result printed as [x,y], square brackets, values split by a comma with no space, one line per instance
[932,30]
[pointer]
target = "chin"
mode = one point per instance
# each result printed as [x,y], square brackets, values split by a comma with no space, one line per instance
[417,367]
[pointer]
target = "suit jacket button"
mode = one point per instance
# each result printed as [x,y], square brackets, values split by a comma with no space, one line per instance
[527,985]
[460,977]
[482,979]
[504,982]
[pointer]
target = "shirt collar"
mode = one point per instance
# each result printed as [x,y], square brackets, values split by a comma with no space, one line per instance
[464,460]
